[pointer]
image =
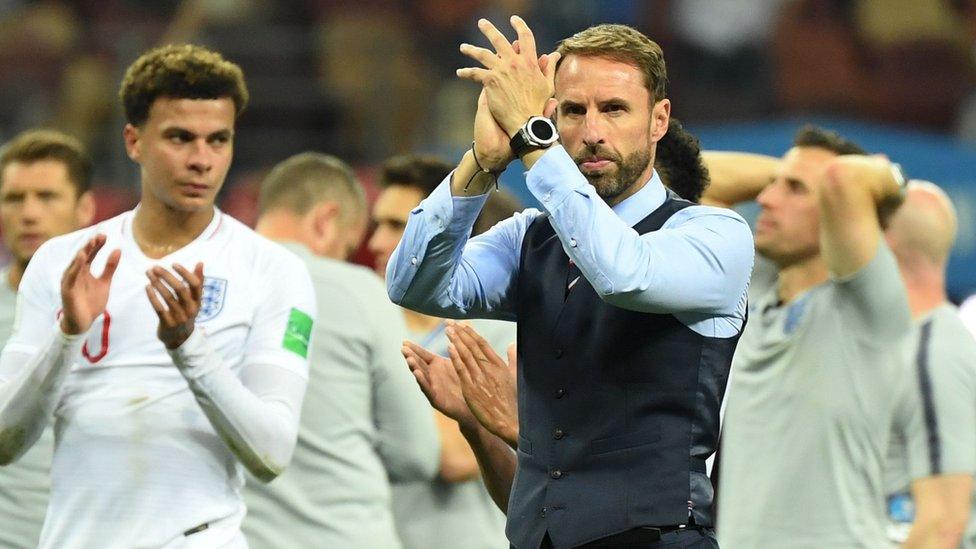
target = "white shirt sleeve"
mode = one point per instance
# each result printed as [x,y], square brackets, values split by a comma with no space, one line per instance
[30,387]
[36,360]
[257,413]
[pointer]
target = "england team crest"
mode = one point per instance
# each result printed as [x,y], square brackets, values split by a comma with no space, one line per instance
[214,291]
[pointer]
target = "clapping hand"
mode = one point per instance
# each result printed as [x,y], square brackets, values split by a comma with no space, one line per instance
[439,382]
[487,382]
[517,83]
[176,301]
[83,295]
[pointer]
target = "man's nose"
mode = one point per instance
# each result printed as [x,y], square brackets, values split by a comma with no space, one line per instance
[201,156]
[593,130]
[31,211]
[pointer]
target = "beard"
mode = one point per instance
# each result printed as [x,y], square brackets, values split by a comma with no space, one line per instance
[611,183]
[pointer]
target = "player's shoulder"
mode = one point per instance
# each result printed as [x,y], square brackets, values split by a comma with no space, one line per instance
[700,212]
[949,330]
[346,281]
[251,248]
[341,272]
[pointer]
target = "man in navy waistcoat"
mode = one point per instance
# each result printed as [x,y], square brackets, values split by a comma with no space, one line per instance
[629,300]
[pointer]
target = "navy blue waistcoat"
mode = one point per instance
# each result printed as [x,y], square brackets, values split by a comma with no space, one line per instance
[618,409]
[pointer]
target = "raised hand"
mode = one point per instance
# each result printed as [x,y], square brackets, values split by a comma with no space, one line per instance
[439,382]
[491,143]
[487,382]
[175,301]
[83,295]
[517,83]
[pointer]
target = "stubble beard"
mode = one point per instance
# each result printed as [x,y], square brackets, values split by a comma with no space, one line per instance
[611,184]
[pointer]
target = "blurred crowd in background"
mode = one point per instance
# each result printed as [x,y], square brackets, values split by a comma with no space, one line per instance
[365,79]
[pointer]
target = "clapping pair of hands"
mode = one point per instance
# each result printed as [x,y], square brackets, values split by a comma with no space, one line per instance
[84,296]
[517,85]
[474,386]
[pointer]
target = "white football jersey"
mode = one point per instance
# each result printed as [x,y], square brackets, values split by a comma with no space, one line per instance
[136,462]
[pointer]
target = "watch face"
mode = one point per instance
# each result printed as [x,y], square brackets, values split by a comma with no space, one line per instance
[542,129]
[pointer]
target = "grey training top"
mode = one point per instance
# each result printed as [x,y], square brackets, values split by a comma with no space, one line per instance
[817,385]
[26,483]
[436,514]
[364,421]
[944,360]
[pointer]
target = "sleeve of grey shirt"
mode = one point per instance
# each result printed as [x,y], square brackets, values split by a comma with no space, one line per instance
[764,278]
[408,441]
[875,299]
[943,438]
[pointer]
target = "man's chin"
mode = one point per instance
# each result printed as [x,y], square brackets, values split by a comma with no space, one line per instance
[193,204]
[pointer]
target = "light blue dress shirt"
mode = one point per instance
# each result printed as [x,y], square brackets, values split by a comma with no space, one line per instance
[696,267]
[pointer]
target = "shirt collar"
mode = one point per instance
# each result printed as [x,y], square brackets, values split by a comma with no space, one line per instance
[638,206]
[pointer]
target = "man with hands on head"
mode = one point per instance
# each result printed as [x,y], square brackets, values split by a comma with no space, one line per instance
[820,379]
[929,478]
[162,383]
[629,300]
[928,471]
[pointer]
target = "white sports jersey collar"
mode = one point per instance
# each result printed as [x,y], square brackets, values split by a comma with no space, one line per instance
[133,252]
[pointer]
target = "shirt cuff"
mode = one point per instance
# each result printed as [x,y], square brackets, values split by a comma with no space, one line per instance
[554,177]
[193,357]
[450,214]
[68,339]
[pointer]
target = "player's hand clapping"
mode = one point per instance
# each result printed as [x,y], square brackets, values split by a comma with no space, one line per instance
[175,301]
[518,85]
[439,382]
[83,295]
[487,382]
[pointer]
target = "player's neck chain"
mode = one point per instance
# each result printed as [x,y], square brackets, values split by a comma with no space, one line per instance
[151,248]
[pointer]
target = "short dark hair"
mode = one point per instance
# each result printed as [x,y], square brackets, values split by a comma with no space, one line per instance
[299,182]
[182,72]
[626,45]
[679,162]
[423,172]
[35,145]
[822,138]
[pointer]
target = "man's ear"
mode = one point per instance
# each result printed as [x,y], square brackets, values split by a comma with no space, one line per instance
[660,119]
[323,220]
[131,136]
[85,209]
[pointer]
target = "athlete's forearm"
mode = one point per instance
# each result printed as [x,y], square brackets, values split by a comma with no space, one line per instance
[736,176]
[260,428]
[496,460]
[30,387]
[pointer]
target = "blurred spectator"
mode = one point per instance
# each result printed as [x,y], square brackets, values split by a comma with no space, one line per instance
[921,60]
[720,50]
[900,61]
[815,44]
[369,67]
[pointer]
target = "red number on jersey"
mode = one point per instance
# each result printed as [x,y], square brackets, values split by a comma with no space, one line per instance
[103,349]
